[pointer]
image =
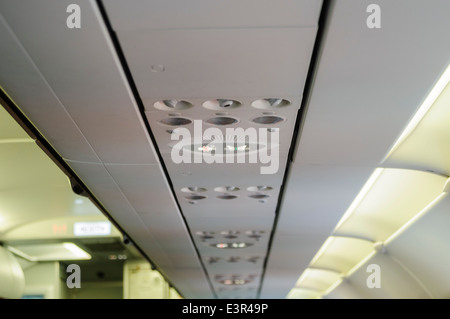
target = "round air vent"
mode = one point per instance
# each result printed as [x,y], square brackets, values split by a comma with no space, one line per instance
[230,234]
[259,196]
[268,119]
[170,105]
[220,104]
[227,196]
[270,103]
[226,189]
[175,121]
[193,189]
[222,120]
[195,197]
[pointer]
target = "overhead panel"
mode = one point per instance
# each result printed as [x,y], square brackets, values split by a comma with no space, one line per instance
[368,85]
[221,85]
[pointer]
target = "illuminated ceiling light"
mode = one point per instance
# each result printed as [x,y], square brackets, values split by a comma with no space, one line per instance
[416,217]
[221,245]
[234,282]
[233,245]
[318,279]
[79,201]
[443,81]
[372,179]
[50,252]
[270,103]
[170,105]
[426,147]
[76,251]
[341,254]
[175,121]
[230,234]
[302,293]
[206,148]
[391,201]
[268,119]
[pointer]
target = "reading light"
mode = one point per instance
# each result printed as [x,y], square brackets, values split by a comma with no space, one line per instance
[231,245]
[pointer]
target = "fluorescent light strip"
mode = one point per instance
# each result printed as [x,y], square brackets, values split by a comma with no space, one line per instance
[424,108]
[367,186]
[443,81]
[416,217]
[77,251]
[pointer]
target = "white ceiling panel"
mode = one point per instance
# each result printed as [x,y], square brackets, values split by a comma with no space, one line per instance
[219,62]
[82,59]
[368,85]
[176,14]
[25,84]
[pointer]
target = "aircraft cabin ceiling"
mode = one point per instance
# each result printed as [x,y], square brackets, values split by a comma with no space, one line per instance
[306,102]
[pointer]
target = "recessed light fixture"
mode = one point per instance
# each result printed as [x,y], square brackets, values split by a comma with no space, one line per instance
[438,88]
[233,245]
[193,189]
[233,282]
[50,252]
[227,196]
[175,121]
[195,197]
[268,119]
[170,105]
[259,196]
[261,188]
[226,189]
[222,120]
[221,245]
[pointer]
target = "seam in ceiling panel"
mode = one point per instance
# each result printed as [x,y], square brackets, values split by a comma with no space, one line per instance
[229,210]
[301,115]
[138,100]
